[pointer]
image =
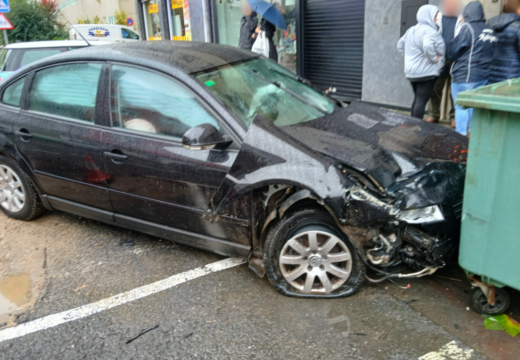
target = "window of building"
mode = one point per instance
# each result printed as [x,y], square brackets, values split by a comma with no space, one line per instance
[152,20]
[229,16]
[149,102]
[67,90]
[179,22]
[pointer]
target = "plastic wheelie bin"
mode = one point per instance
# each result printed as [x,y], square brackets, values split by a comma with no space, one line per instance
[490,238]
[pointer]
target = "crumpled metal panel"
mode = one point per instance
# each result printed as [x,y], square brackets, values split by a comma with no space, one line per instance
[270,156]
[384,144]
[414,163]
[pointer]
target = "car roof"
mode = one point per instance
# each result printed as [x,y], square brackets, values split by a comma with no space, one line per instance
[50,44]
[187,56]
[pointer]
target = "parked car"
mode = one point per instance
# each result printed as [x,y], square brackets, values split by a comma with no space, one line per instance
[14,56]
[102,32]
[223,150]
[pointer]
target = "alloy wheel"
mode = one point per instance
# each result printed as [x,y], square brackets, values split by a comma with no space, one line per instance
[12,194]
[315,262]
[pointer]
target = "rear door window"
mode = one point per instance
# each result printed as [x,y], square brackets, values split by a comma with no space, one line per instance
[67,90]
[32,55]
[13,93]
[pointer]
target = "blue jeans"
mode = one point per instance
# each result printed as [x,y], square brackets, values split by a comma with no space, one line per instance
[463,117]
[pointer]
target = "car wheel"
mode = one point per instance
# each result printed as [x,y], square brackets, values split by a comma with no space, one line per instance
[306,255]
[481,305]
[18,196]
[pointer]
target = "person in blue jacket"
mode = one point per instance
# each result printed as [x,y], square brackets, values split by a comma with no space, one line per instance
[472,52]
[506,60]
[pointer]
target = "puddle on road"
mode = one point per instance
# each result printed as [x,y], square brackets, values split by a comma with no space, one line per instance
[15,291]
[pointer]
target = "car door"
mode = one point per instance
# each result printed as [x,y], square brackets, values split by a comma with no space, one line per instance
[152,176]
[56,133]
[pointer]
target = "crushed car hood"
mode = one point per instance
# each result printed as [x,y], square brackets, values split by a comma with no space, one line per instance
[417,163]
[385,145]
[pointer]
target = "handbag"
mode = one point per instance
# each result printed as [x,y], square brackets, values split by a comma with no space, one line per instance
[261,45]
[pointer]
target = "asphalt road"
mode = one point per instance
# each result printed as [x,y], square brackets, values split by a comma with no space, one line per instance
[229,314]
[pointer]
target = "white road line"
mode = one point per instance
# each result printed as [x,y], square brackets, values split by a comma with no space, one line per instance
[116,300]
[450,351]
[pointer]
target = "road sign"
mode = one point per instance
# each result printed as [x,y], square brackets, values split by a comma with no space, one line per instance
[4,6]
[5,24]
[129,21]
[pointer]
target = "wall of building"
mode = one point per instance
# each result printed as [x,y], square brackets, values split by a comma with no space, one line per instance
[72,10]
[383,67]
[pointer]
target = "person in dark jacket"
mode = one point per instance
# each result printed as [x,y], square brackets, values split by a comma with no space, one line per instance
[269,30]
[506,59]
[248,25]
[472,52]
[448,22]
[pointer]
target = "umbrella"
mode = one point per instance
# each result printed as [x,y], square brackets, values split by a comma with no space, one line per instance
[269,12]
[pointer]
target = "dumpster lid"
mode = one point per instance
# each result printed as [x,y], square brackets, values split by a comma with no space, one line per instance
[503,96]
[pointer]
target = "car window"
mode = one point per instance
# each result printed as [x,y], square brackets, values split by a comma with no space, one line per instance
[128,34]
[33,55]
[149,102]
[261,87]
[66,90]
[13,93]
[3,57]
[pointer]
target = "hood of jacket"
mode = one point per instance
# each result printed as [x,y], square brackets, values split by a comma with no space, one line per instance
[426,16]
[474,12]
[500,22]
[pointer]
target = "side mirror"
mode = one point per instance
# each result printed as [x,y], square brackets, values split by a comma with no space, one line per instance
[204,137]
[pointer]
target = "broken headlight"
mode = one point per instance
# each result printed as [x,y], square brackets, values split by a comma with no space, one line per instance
[424,215]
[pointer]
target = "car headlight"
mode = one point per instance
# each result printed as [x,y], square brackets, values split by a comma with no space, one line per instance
[425,215]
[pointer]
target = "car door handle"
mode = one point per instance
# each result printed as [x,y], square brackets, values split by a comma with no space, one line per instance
[115,156]
[23,134]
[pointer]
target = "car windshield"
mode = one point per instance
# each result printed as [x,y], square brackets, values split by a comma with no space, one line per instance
[261,87]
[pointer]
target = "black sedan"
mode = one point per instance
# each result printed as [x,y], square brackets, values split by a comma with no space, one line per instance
[226,151]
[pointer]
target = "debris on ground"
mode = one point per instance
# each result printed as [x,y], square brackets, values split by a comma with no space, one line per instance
[142,333]
[502,322]
[126,243]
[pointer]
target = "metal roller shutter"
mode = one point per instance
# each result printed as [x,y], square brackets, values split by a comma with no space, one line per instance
[333,32]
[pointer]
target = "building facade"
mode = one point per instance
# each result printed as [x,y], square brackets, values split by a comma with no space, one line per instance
[72,11]
[345,46]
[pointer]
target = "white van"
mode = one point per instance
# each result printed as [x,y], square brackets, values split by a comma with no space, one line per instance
[105,32]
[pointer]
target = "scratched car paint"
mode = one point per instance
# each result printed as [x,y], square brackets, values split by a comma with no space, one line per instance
[313,192]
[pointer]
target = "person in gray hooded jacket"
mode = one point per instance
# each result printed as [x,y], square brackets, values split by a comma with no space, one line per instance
[424,56]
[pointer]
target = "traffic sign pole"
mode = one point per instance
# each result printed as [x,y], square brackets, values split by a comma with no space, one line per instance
[5,37]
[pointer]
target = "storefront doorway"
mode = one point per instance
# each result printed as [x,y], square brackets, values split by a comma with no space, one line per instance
[333,39]
[179,19]
[152,20]
[228,16]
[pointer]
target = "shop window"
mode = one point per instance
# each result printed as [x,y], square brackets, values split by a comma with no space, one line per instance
[180,26]
[152,20]
[229,15]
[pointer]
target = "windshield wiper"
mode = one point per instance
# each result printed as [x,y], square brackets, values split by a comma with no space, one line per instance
[305,82]
[296,77]
[279,85]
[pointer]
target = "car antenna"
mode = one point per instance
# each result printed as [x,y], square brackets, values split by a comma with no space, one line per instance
[77,32]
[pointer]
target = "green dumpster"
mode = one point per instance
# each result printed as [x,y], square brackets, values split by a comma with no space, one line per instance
[490,238]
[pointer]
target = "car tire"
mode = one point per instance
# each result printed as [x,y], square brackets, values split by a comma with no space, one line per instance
[480,304]
[18,196]
[330,268]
